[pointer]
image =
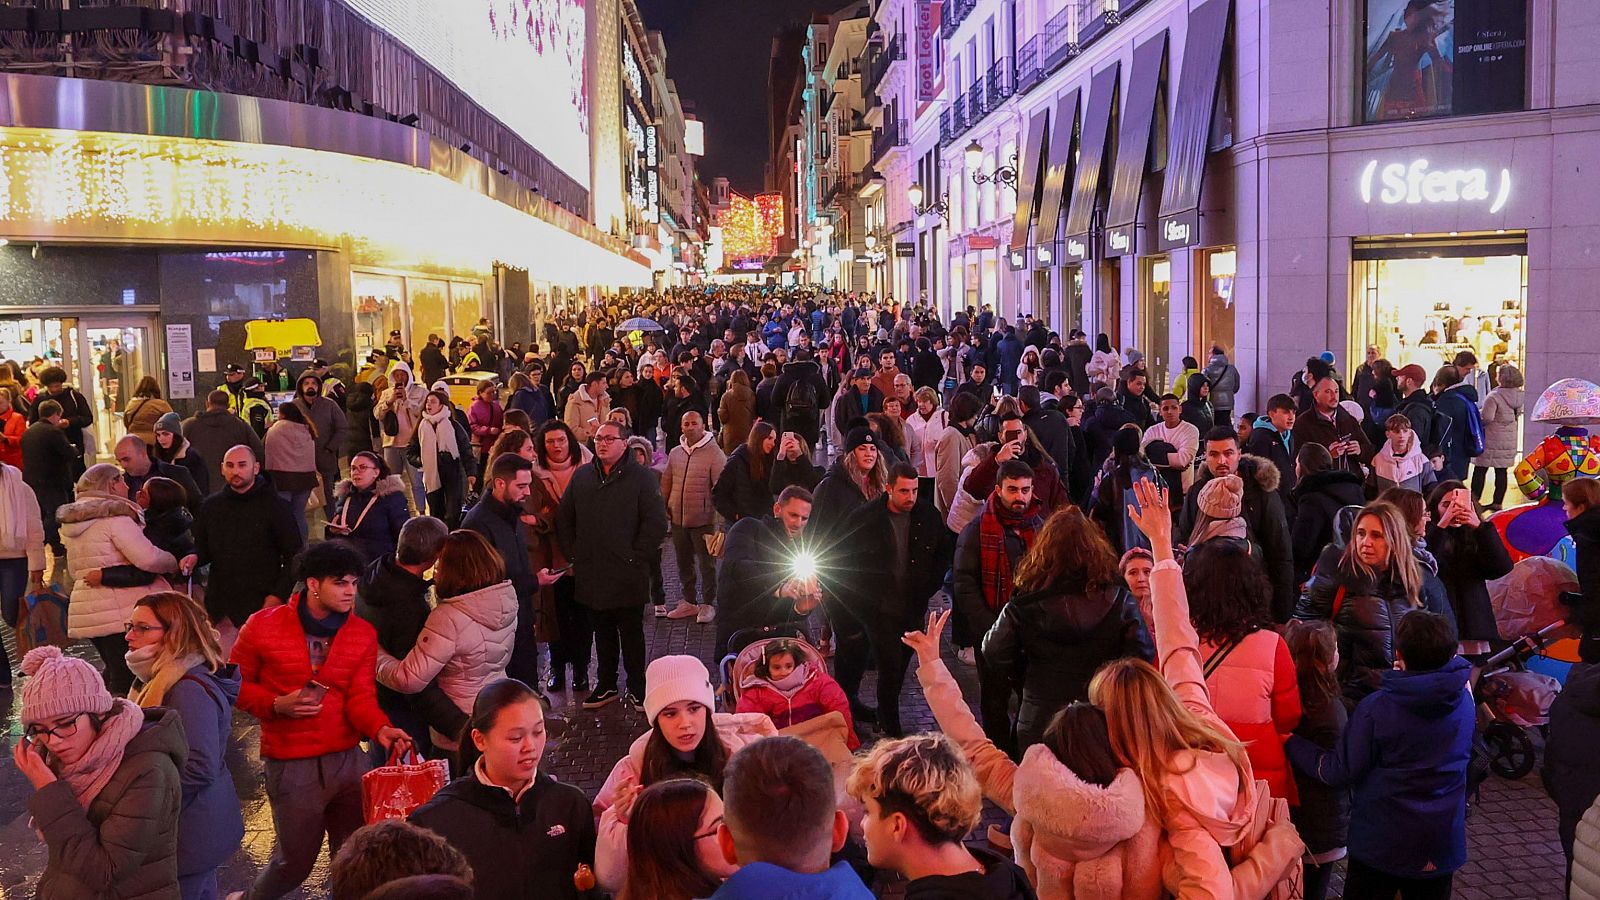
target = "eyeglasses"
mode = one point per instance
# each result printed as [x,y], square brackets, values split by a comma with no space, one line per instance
[59,732]
[140,628]
[605,438]
[363,468]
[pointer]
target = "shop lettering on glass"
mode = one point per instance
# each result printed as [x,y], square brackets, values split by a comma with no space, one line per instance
[1416,182]
[1118,239]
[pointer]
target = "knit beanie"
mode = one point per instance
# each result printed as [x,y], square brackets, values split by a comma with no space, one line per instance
[60,686]
[170,423]
[859,436]
[669,679]
[1222,498]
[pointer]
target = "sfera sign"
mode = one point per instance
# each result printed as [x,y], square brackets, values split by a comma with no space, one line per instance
[1416,182]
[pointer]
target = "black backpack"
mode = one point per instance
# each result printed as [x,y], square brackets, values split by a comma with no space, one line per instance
[800,403]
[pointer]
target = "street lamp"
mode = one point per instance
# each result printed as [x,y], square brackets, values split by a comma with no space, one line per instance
[916,195]
[795,253]
[870,241]
[1006,175]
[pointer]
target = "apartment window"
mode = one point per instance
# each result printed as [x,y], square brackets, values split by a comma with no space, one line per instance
[1449,58]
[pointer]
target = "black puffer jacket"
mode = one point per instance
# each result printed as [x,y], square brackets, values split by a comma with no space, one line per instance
[1468,557]
[738,494]
[1061,637]
[1585,531]
[1317,499]
[1364,613]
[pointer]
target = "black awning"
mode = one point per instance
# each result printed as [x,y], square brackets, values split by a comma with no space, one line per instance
[1091,158]
[1055,177]
[1133,145]
[1179,224]
[1030,159]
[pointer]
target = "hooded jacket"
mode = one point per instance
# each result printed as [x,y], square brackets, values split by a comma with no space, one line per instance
[102,531]
[818,695]
[1267,442]
[1224,378]
[210,825]
[736,411]
[1317,499]
[374,516]
[465,644]
[213,432]
[406,409]
[1263,512]
[1364,621]
[1404,756]
[1499,413]
[1453,402]
[522,849]
[1255,690]
[124,846]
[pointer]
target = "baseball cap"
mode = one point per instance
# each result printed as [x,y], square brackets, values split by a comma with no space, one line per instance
[1414,372]
[233,369]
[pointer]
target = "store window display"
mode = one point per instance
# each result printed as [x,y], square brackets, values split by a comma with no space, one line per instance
[1425,311]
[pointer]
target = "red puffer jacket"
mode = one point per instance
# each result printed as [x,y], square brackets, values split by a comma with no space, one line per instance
[820,695]
[273,660]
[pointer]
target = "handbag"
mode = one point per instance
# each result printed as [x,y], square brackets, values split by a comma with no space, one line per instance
[714,542]
[395,790]
[42,621]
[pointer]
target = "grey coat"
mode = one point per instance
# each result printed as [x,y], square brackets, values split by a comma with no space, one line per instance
[1499,412]
[125,845]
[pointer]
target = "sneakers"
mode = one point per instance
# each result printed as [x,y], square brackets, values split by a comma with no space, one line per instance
[706,614]
[635,702]
[968,656]
[661,610]
[601,697]
[684,610]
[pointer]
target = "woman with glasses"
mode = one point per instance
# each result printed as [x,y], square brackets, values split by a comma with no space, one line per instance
[672,842]
[177,657]
[106,787]
[369,507]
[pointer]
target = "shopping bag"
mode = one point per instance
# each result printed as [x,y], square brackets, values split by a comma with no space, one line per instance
[43,620]
[395,790]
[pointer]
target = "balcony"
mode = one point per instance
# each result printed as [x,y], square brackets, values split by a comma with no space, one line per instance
[998,84]
[977,106]
[878,61]
[1029,72]
[955,12]
[894,133]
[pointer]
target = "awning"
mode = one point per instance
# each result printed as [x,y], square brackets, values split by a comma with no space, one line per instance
[1059,157]
[280,334]
[1030,159]
[1133,145]
[1091,159]
[1179,224]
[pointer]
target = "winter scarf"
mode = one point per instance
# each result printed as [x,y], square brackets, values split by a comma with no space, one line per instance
[995,521]
[790,684]
[14,494]
[438,435]
[1398,469]
[157,673]
[1207,528]
[90,774]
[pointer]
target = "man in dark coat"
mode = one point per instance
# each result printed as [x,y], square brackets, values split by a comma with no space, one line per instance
[216,429]
[1075,356]
[1271,437]
[327,424]
[611,522]
[47,463]
[1049,428]
[1417,406]
[804,422]
[926,369]
[863,397]
[75,410]
[249,537]
[138,467]
[1262,509]
[897,561]
[1327,423]
[498,518]
[757,581]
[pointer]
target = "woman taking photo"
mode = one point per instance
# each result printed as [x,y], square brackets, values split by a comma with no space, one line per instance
[686,740]
[1067,617]
[1469,553]
[101,529]
[743,489]
[177,657]
[672,843]
[438,451]
[369,507]
[106,790]
[1364,588]
[526,835]
[466,640]
[291,463]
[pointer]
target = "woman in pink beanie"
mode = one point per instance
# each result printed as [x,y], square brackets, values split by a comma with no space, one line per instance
[686,740]
[106,784]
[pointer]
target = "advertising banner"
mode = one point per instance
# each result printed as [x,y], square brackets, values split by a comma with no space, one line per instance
[1449,57]
[930,80]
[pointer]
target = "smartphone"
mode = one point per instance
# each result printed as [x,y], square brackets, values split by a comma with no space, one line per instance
[313,692]
[563,570]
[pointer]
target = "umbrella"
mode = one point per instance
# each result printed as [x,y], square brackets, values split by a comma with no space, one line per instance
[1570,401]
[639,323]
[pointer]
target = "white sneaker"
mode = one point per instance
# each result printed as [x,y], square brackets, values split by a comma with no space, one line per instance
[706,614]
[968,656]
[684,610]
[661,610]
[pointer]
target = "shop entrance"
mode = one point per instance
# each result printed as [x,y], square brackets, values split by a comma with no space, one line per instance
[104,357]
[1424,301]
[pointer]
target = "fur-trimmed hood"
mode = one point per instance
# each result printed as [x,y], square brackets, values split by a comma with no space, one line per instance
[1264,472]
[1072,819]
[90,506]
[391,484]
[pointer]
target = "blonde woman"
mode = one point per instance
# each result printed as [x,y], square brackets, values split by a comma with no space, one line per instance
[177,658]
[1197,779]
[1364,588]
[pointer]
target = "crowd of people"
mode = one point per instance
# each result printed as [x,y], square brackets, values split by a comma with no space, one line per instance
[1217,652]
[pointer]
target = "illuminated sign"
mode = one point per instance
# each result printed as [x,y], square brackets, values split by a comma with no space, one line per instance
[694,137]
[630,68]
[494,50]
[1076,249]
[651,156]
[1119,240]
[1396,183]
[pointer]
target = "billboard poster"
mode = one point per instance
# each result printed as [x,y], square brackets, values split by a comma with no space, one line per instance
[930,80]
[1427,58]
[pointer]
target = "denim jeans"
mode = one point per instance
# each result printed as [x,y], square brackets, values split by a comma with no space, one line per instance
[297,502]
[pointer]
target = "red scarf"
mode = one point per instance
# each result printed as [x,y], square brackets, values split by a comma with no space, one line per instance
[993,562]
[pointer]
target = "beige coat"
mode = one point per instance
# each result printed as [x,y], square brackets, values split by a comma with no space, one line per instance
[465,644]
[101,531]
[141,417]
[584,414]
[688,481]
[1499,413]
[737,412]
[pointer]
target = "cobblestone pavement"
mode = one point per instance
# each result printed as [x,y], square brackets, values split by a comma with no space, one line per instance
[1513,850]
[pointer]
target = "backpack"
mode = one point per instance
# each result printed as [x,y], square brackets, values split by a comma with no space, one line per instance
[800,403]
[1475,438]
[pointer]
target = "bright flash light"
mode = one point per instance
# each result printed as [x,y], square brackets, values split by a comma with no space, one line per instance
[805,566]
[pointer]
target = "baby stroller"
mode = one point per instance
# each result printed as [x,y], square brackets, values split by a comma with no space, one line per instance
[740,659]
[1512,701]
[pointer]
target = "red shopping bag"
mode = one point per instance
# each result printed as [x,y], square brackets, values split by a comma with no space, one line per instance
[395,790]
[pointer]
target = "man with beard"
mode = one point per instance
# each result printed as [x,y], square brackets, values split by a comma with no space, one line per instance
[328,425]
[767,574]
[249,537]
[987,554]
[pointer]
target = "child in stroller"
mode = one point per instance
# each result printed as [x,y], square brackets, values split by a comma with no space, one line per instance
[786,678]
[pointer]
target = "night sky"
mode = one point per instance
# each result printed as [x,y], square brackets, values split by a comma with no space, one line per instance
[717,54]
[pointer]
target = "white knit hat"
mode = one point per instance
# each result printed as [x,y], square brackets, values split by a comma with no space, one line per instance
[673,678]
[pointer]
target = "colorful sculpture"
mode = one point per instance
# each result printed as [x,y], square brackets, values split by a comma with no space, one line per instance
[1572,452]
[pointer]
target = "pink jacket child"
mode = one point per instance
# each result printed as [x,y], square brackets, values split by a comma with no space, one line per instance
[791,685]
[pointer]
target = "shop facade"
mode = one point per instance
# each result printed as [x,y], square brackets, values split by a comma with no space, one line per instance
[1230,182]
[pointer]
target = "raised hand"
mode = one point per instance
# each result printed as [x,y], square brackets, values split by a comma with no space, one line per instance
[926,643]
[1153,517]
